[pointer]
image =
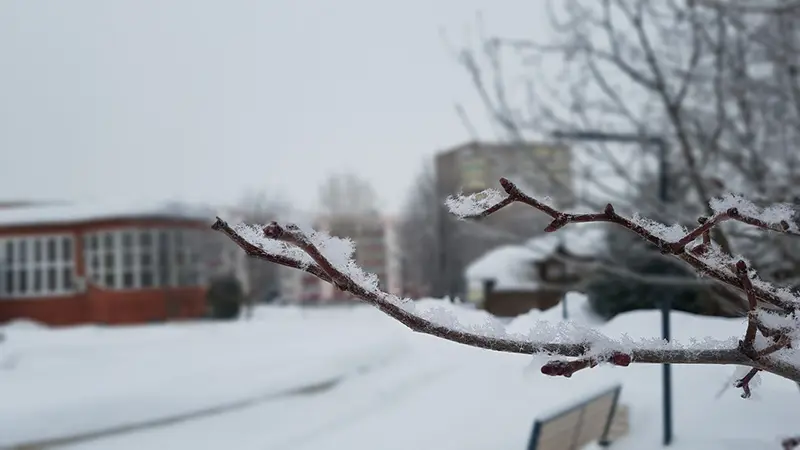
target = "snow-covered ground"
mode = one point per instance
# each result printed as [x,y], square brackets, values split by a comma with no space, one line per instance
[394,389]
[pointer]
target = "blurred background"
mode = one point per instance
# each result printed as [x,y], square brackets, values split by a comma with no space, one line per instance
[127,127]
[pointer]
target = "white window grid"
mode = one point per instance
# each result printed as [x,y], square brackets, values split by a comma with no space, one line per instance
[37,266]
[142,258]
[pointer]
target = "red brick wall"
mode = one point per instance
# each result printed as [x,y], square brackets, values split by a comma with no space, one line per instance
[109,306]
[105,305]
[146,305]
[52,311]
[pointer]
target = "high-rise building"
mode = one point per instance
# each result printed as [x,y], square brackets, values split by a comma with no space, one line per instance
[542,170]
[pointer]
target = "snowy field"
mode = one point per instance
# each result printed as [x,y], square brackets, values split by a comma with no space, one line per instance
[372,384]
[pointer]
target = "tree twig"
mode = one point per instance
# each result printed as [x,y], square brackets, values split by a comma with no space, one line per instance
[585,354]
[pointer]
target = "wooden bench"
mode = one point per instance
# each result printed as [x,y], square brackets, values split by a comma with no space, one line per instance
[598,418]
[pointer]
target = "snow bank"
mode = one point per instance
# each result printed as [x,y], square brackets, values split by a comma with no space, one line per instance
[438,394]
[75,380]
[22,324]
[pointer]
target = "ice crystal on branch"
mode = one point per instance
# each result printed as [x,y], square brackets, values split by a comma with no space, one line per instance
[777,217]
[768,343]
[463,206]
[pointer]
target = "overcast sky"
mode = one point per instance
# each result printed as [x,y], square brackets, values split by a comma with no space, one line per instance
[204,100]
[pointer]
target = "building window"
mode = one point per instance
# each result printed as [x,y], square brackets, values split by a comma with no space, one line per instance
[146,257]
[128,261]
[189,250]
[473,173]
[135,258]
[34,266]
[164,259]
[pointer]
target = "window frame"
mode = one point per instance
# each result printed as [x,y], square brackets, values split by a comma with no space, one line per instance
[33,261]
[170,251]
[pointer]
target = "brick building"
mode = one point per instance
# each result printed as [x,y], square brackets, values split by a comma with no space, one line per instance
[68,264]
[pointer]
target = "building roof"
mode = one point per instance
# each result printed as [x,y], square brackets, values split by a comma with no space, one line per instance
[500,146]
[511,265]
[19,203]
[581,240]
[34,215]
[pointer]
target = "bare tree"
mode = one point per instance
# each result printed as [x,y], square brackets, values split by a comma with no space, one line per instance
[347,194]
[716,80]
[419,235]
[769,342]
[263,279]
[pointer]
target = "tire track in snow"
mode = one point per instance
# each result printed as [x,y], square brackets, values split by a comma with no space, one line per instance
[381,402]
[177,419]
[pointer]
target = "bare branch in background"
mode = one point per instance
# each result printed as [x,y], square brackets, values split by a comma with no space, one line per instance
[419,236]
[716,79]
[347,194]
[753,7]
[262,206]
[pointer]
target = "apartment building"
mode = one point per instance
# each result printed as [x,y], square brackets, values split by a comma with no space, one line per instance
[541,169]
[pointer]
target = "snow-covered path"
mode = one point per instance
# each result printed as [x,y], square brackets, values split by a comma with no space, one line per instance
[298,421]
[63,383]
[419,392]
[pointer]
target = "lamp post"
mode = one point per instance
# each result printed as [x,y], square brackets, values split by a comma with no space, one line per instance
[666,301]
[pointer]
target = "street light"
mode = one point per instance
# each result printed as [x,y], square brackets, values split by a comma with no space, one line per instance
[666,301]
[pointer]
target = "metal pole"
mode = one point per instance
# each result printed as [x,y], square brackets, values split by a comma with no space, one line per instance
[663,194]
[666,303]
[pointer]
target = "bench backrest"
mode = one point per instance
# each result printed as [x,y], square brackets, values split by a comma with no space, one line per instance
[577,425]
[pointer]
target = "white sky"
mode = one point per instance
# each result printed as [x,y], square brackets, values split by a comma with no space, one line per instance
[203,100]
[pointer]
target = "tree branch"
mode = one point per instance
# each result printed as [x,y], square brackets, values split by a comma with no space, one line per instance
[701,256]
[587,352]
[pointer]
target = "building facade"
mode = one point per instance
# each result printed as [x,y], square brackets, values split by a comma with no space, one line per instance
[65,264]
[541,169]
[394,259]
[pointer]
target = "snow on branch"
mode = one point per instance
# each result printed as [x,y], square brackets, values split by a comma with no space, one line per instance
[767,345]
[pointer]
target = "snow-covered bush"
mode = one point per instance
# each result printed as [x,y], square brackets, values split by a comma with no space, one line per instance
[225,297]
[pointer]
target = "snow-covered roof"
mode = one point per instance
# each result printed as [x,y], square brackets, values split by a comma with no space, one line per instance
[510,267]
[582,240]
[77,213]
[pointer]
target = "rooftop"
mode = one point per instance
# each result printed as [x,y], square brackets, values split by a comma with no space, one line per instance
[50,214]
[493,146]
[581,240]
[511,265]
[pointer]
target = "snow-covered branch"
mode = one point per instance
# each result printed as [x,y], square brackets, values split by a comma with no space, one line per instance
[767,344]
[757,7]
[705,257]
